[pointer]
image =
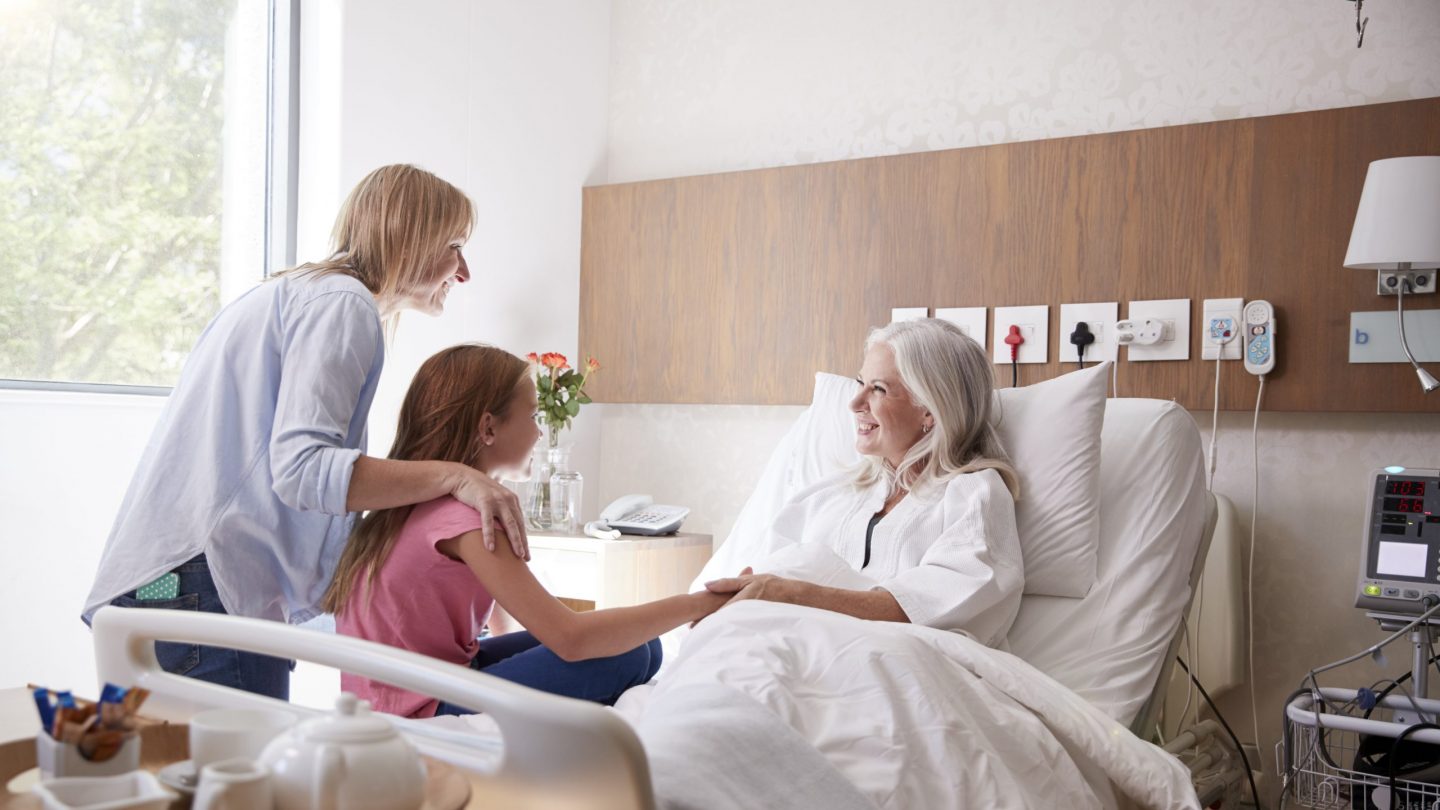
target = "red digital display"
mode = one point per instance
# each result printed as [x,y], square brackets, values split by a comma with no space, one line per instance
[1405,505]
[1413,489]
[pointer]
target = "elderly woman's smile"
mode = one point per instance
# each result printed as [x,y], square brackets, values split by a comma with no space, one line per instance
[887,421]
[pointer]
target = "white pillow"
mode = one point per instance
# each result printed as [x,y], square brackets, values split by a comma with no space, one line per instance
[1051,431]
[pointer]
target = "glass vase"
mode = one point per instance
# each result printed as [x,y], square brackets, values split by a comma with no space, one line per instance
[566,486]
[538,511]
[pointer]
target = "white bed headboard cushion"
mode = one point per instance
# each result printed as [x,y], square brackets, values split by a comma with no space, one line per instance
[1109,646]
[1051,431]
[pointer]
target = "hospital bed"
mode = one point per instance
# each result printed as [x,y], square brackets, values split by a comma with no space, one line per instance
[1080,672]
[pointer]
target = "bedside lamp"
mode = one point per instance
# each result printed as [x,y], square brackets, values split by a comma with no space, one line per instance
[1397,232]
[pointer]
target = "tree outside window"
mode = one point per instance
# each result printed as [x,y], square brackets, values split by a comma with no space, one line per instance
[117,121]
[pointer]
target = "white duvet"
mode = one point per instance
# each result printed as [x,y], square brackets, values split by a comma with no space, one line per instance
[777,706]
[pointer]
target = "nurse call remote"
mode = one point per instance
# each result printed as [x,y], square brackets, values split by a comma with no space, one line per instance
[1259,332]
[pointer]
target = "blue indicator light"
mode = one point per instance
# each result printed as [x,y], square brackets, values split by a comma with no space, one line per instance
[1394,470]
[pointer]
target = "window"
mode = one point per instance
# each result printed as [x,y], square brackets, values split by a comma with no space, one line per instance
[144,178]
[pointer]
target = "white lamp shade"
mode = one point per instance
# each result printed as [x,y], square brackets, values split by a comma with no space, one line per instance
[1399,216]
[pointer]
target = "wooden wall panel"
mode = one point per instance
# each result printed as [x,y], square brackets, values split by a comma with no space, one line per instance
[735,288]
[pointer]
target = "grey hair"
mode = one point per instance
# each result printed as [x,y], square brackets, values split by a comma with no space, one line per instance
[950,376]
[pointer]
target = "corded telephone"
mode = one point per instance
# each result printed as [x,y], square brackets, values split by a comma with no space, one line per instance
[636,514]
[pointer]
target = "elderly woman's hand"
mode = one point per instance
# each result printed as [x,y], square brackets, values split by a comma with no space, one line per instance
[755,586]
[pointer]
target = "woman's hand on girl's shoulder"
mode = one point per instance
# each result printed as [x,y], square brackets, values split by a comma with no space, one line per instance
[499,509]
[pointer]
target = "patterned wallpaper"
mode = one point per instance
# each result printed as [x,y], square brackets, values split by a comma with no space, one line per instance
[701,86]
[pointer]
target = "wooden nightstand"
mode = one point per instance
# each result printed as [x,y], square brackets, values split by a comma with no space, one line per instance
[587,572]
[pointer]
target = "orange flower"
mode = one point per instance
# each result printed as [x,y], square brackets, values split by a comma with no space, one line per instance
[591,364]
[554,360]
[533,358]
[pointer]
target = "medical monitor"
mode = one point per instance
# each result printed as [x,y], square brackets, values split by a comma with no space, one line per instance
[1400,564]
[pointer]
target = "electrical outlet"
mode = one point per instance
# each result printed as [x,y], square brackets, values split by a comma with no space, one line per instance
[1151,331]
[1387,282]
[971,320]
[909,314]
[1221,323]
[1100,318]
[1034,323]
[1174,317]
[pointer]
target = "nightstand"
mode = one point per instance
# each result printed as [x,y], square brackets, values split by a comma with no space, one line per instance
[587,572]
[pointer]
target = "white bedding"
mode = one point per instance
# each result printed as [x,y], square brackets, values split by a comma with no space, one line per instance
[897,716]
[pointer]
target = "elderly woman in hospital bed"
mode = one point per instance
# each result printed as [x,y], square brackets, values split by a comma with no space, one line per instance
[923,530]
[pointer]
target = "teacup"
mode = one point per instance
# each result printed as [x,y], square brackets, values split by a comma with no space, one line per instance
[225,734]
[234,784]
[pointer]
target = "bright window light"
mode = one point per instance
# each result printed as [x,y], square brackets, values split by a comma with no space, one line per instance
[134,180]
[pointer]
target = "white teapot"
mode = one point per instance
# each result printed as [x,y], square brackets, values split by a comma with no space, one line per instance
[348,759]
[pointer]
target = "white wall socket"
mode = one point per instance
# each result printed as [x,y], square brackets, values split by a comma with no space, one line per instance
[1034,323]
[971,320]
[1174,314]
[1100,318]
[909,313]
[1221,313]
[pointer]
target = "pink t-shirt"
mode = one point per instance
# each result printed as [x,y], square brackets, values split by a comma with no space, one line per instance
[421,601]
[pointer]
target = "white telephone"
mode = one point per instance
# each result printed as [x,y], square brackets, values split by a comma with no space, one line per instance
[636,514]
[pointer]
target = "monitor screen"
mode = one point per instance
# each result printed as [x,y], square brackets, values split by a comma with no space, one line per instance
[1401,559]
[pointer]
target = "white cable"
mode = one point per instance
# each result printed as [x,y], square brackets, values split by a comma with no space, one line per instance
[1199,626]
[1214,425]
[1190,682]
[1250,579]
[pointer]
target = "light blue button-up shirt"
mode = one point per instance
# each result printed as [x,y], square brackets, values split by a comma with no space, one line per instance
[250,461]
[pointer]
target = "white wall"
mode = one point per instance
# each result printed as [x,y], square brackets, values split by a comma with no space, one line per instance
[700,87]
[65,460]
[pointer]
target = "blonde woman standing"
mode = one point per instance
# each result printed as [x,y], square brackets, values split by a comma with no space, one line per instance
[245,495]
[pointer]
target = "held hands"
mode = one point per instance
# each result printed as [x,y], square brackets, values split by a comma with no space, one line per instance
[710,600]
[496,504]
[749,585]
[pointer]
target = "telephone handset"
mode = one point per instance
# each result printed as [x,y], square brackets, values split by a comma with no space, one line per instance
[636,514]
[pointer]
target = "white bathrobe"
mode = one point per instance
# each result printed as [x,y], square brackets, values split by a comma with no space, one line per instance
[949,552]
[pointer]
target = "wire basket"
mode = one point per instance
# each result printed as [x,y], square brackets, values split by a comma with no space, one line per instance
[1320,764]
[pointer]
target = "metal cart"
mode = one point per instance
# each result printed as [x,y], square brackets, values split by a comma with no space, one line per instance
[1317,756]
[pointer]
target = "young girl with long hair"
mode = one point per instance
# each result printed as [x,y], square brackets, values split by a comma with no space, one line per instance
[419,577]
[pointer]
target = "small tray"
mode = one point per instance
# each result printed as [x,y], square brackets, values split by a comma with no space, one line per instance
[446,787]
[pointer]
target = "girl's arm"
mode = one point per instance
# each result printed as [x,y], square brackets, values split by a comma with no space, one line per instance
[876,604]
[574,636]
[382,483]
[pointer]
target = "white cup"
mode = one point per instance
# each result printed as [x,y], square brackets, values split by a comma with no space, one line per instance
[220,734]
[234,784]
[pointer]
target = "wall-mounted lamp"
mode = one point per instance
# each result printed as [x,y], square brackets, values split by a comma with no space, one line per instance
[1397,231]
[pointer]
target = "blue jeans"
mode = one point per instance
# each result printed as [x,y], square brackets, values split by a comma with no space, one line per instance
[521,658]
[250,672]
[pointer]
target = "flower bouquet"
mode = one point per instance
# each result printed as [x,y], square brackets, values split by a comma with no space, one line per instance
[553,501]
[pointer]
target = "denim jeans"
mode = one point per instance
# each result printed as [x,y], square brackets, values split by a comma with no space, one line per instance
[521,658]
[251,672]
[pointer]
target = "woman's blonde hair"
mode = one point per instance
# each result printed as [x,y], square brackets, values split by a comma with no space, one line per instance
[394,226]
[439,421]
[949,375]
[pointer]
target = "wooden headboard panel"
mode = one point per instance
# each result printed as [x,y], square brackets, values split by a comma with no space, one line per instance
[735,288]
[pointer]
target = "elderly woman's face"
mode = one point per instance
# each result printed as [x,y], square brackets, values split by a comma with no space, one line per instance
[887,422]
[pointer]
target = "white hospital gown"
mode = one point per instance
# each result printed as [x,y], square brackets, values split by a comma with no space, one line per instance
[948,553]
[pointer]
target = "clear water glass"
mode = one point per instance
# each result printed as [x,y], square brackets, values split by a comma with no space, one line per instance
[566,486]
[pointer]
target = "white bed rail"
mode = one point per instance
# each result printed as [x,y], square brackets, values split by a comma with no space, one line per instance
[568,746]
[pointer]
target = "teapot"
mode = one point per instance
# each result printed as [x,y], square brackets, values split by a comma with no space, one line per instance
[349,759]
